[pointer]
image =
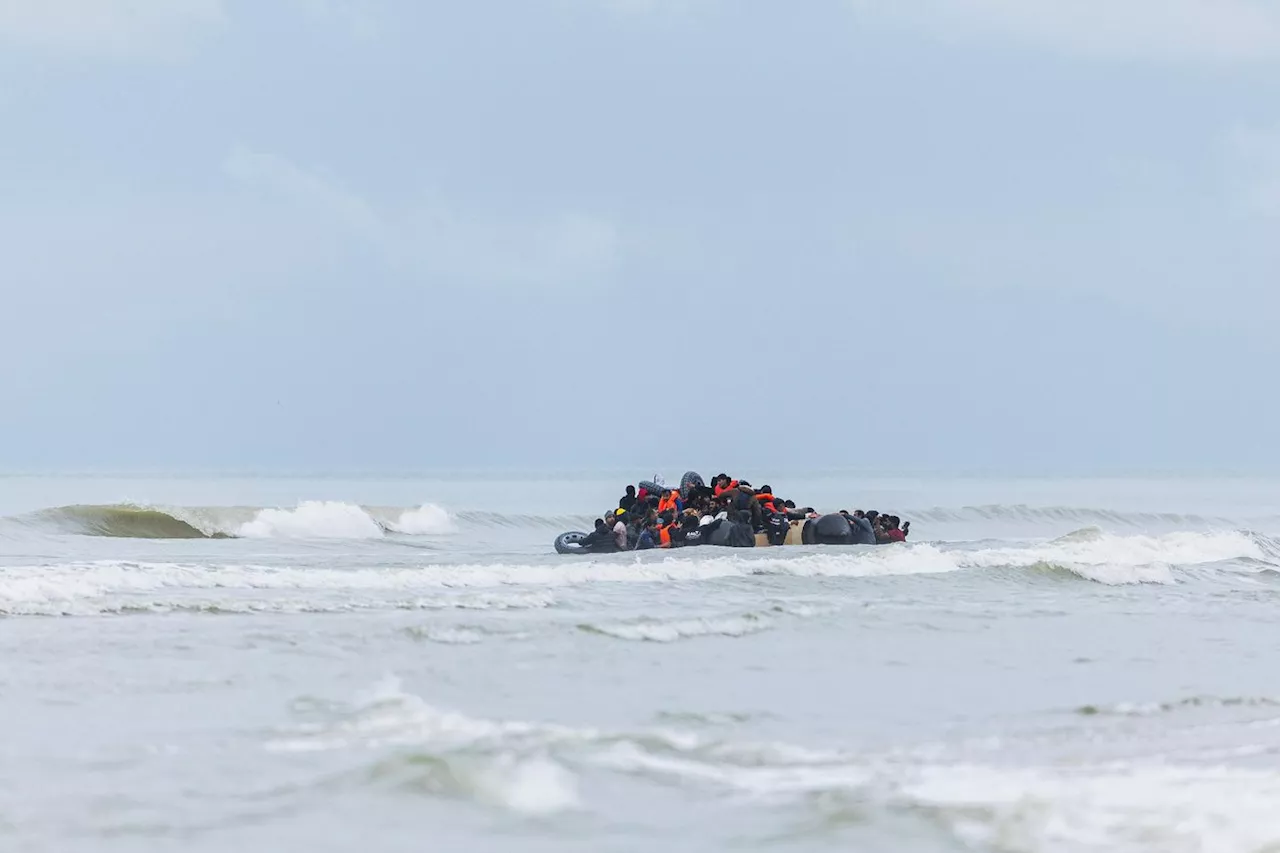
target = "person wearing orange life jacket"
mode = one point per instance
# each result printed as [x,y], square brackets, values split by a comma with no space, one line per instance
[723,483]
[673,530]
[670,500]
[665,528]
[766,499]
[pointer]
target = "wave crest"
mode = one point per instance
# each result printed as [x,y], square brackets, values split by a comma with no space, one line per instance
[308,520]
[1143,805]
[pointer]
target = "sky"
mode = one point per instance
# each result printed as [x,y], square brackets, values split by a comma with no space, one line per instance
[949,236]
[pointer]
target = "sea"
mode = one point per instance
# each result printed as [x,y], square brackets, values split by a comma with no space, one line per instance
[376,663]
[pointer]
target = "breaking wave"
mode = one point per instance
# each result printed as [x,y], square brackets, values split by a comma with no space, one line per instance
[667,630]
[671,630]
[308,520]
[116,587]
[533,768]
[112,586]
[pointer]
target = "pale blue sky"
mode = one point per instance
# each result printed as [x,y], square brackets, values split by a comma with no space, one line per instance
[950,235]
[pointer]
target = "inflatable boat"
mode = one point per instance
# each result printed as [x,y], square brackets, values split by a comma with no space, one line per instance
[832,529]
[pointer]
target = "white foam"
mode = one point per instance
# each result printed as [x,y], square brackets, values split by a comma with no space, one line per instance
[112,586]
[532,786]
[486,760]
[1145,807]
[451,636]
[106,586]
[426,520]
[313,520]
[669,631]
[1162,809]
[1094,548]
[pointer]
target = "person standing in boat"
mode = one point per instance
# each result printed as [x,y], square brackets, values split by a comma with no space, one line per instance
[628,500]
[620,529]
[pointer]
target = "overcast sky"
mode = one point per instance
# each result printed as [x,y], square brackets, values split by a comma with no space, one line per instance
[1010,236]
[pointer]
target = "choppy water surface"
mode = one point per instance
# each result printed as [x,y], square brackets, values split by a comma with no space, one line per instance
[406,664]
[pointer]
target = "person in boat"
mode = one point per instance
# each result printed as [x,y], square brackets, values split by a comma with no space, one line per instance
[799,513]
[777,523]
[741,502]
[722,483]
[628,500]
[863,530]
[620,530]
[890,531]
[647,537]
[670,500]
[600,539]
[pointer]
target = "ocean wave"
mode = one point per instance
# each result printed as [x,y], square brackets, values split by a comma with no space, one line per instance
[118,587]
[1151,709]
[113,585]
[1125,808]
[308,520]
[532,785]
[461,635]
[672,630]
[1114,559]
[1079,516]
[1131,805]
[652,629]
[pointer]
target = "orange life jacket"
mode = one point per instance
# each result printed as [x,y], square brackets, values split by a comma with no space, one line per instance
[664,536]
[668,503]
[720,490]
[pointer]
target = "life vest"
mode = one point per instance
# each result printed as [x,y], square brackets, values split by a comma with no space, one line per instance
[668,503]
[720,490]
[664,536]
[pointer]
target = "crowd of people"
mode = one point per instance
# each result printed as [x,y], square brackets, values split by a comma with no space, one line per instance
[672,517]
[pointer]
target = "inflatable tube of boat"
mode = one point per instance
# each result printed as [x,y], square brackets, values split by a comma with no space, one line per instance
[862,532]
[691,480]
[571,543]
[650,487]
[833,529]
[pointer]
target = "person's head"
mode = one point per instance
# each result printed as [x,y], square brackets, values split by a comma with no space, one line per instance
[599,523]
[789,504]
[631,491]
[666,494]
[642,494]
[766,490]
[892,522]
[872,515]
[620,516]
[857,513]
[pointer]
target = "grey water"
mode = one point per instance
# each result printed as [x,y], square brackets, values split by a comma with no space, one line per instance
[397,664]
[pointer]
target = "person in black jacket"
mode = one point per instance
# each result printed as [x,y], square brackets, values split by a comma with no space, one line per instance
[629,499]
